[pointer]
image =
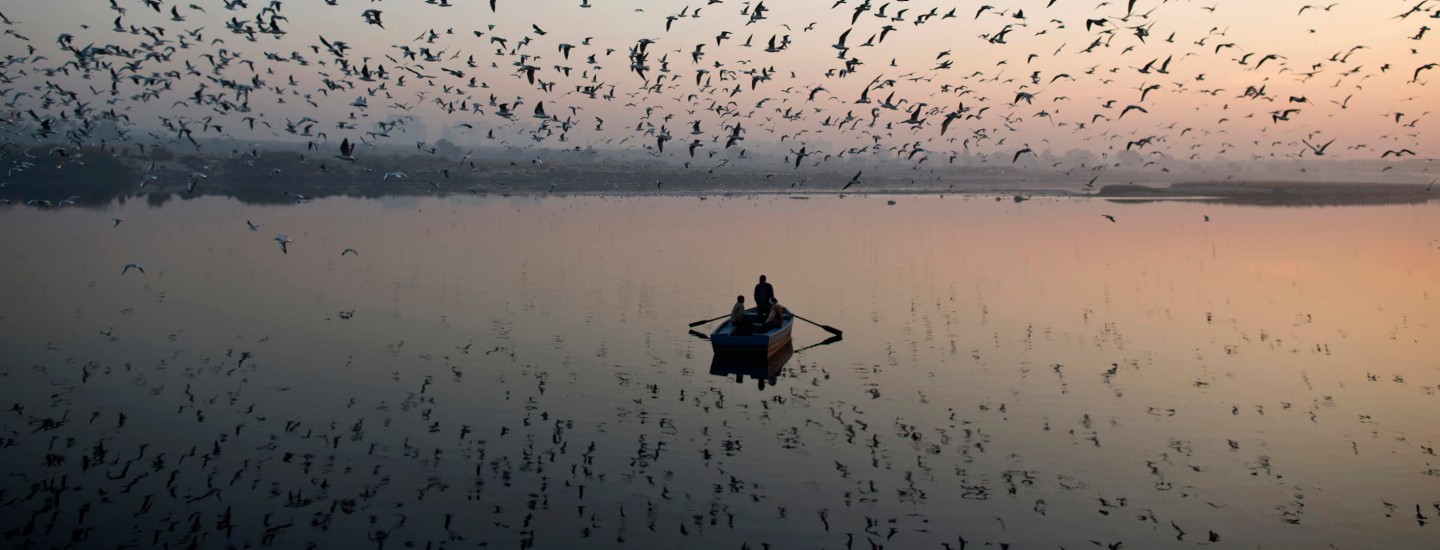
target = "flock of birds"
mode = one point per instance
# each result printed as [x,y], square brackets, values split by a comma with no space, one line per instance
[1114,77]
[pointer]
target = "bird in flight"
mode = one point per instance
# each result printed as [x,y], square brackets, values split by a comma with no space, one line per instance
[372,16]
[148,176]
[1021,152]
[1424,67]
[1319,151]
[347,151]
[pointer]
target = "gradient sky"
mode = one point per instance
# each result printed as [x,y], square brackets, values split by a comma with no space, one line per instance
[1197,112]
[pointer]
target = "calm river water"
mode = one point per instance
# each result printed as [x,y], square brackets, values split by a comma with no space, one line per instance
[517,371]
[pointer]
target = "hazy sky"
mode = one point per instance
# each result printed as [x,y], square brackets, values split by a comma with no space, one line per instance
[1079,92]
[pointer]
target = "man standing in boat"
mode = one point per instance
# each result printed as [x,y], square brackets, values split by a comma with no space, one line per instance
[764,295]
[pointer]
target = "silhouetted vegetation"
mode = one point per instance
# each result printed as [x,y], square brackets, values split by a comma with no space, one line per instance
[1277,192]
[87,176]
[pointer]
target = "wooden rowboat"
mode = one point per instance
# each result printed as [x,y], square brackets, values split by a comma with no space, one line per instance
[767,343]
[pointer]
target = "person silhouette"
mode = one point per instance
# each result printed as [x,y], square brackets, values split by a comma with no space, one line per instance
[739,325]
[764,294]
[776,316]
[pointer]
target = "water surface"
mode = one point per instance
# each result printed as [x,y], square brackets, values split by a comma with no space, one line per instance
[517,371]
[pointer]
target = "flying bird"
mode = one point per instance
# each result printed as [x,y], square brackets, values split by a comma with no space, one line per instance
[1424,67]
[347,151]
[372,16]
[1319,151]
[1132,108]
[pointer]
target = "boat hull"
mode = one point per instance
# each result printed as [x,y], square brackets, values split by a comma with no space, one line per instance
[723,339]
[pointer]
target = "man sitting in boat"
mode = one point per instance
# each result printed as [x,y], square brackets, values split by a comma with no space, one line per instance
[737,318]
[777,315]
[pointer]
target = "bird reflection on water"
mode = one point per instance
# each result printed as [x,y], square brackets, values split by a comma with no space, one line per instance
[1039,381]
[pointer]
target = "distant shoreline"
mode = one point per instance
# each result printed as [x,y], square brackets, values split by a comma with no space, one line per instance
[278,179]
[1278,192]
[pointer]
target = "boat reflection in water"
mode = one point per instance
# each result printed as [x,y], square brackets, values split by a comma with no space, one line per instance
[765,369]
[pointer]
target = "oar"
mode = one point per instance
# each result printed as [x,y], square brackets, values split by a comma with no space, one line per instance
[829,329]
[828,341]
[698,323]
[699,335]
